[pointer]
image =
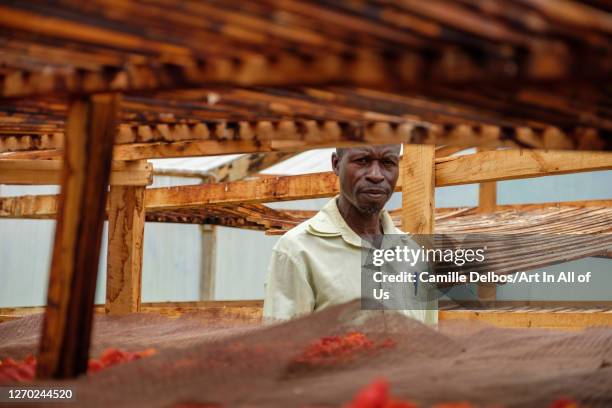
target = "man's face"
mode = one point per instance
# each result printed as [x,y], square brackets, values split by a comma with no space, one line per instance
[367,175]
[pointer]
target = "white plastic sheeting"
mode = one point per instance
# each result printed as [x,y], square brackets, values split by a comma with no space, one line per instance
[173,254]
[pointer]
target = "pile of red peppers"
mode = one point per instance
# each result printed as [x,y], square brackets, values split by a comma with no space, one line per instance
[332,350]
[25,371]
[377,395]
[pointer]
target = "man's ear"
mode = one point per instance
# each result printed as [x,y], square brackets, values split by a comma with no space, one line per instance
[335,161]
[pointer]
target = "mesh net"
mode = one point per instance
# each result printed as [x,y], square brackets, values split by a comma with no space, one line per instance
[204,359]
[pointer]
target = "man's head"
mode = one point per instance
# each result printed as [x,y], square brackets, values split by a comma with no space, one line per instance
[367,175]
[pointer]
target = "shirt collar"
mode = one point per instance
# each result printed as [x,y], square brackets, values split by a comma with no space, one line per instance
[329,223]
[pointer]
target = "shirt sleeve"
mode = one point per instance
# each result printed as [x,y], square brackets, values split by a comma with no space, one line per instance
[288,292]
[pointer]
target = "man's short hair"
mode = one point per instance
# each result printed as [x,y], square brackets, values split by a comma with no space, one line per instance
[341,150]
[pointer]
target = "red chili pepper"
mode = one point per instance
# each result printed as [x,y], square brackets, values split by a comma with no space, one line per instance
[331,350]
[376,395]
[24,371]
[564,403]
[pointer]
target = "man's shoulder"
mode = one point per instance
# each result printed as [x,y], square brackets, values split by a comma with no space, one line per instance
[296,237]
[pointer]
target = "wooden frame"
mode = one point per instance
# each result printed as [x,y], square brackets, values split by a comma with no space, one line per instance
[381,89]
[500,165]
[549,315]
[476,168]
[64,345]
[418,172]
[33,172]
[126,222]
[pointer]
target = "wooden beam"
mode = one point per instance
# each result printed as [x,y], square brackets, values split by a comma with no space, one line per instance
[475,168]
[487,197]
[257,54]
[418,189]
[564,320]
[237,169]
[189,148]
[247,165]
[572,316]
[418,169]
[248,191]
[206,139]
[29,206]
[496,165]
[45,207]
[66,332]
[516,164]
[126,221]
[40,172]
[445,151]
[487,202]
[487,193]
[47,154]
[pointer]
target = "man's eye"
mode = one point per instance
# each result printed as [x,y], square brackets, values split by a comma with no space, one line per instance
[361,161]
[388,163]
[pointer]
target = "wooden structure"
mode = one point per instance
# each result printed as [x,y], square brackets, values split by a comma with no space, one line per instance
[276,77]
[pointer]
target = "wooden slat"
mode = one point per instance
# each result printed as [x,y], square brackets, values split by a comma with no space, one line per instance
[249,191]
[487,201]
[576,315]
[212,29]
[126,220]
[37,172]
[546,319]
[487,197]
[496,165]
[45,206]
[476,168]
[418,189]
[29,206]
[487,194]
[205,139]
[516,164]
[66,333]
[247,165]
[237,169]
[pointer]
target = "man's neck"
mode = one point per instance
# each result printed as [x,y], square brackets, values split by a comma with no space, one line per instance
[362,224]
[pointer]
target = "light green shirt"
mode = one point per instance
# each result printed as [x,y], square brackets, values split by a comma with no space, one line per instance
[317,264]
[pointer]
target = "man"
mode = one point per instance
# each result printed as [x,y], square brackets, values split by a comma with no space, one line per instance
[318,263]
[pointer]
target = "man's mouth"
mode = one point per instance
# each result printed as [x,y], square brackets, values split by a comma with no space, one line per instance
[374,193]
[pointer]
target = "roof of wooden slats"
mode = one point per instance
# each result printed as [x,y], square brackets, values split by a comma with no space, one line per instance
[310,73]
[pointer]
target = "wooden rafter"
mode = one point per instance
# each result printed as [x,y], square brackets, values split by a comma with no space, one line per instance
[141,142]
[475,168]
[216,43]
[50,172]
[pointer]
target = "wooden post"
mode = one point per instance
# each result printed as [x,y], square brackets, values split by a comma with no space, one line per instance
[418,188]
[209,257]
[418,201]
[126,221]
[487,197]
[487,193]
[487,202]
[66,332]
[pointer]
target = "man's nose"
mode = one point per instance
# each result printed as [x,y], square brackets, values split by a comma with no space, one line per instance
[374,174]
